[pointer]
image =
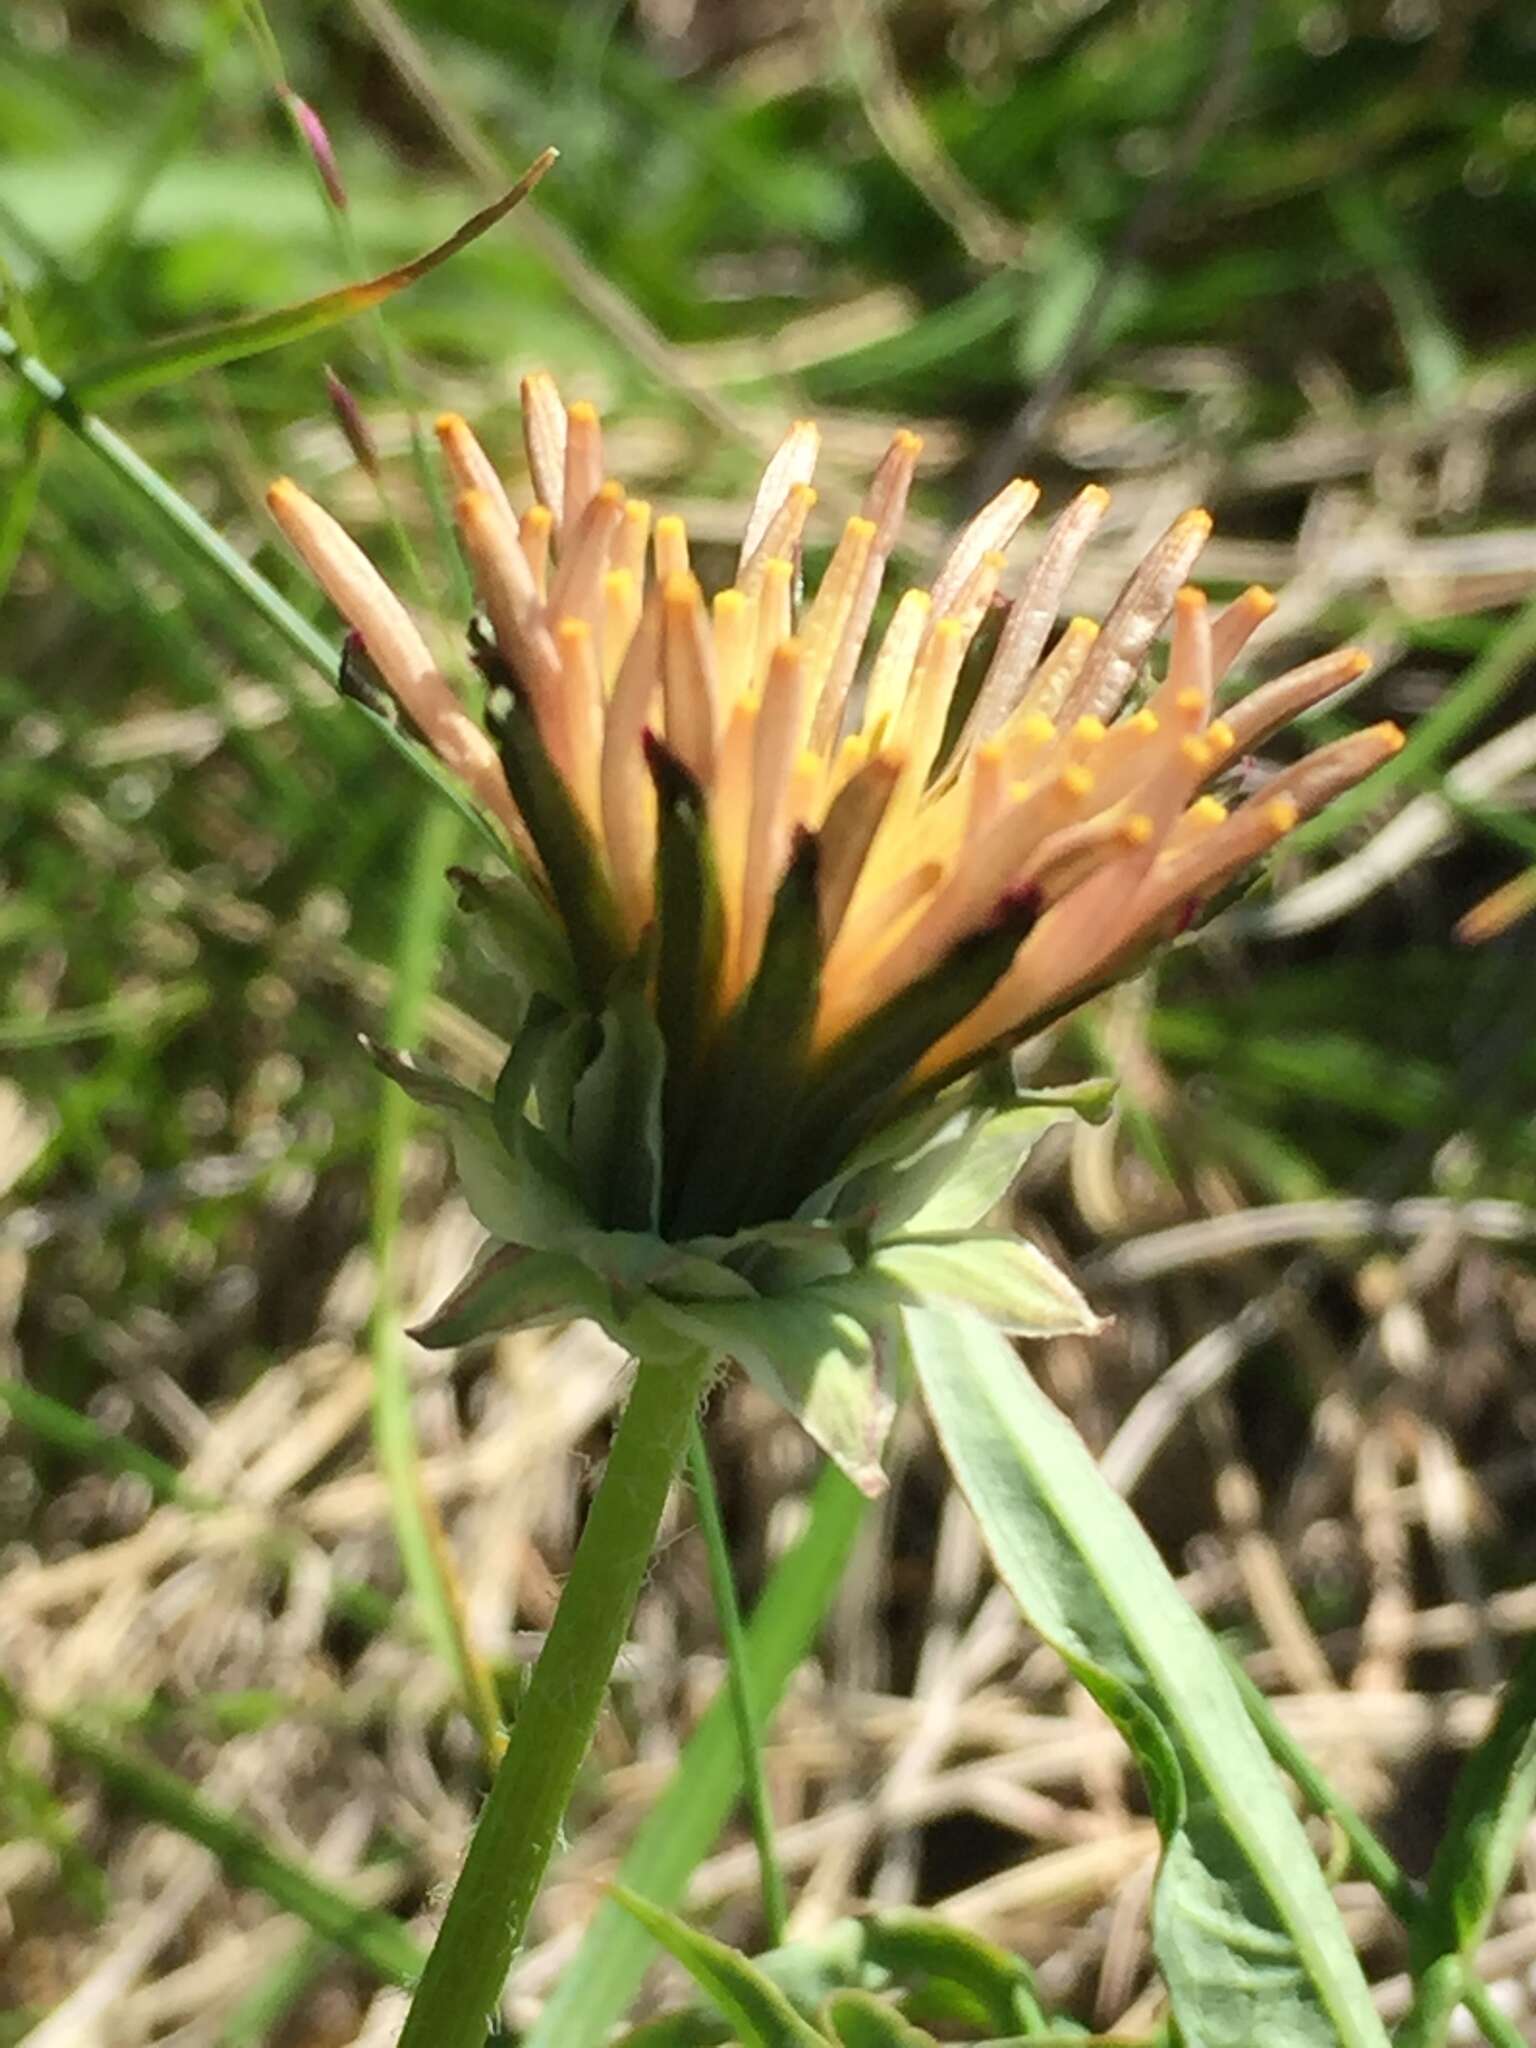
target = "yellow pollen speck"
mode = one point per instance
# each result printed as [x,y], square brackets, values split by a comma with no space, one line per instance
[1359,661]
[1195,752]
[1206,811]
[908,442]
[1137,829]
[611,493]
[859,528]
[582,412]
[1145,723]
[1191,702]
[1088,731]
[1037,729]
[1391,736]
[729,603]
[1260,600]
[1191,597]
[1095,494]
[1220,735]
[537,519]
[1281,815]
[571,632]
[448,423]
[853,753]
[1074,783]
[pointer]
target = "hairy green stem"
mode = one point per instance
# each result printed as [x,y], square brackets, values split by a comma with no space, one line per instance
[739,1680]
[518,1828]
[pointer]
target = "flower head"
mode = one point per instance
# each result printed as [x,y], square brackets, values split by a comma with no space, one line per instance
[811,876]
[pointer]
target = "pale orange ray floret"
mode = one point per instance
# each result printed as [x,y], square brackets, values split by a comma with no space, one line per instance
[1080,826]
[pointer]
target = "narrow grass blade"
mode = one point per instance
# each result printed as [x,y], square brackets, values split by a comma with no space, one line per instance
[370,1937]
[1244,1926]
[175,356]
[739,1679]
[424,1552]
[1490,1811]
[616,1950]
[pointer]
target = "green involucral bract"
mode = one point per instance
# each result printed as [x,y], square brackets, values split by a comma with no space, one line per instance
[563,1166]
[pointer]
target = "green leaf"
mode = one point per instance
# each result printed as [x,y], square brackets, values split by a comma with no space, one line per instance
[1011,1281]
[513,1196]
[510,1287]
[860,2020]
[520,931]
[1490,1812]
[616,1112]
[920,1950]
[823,1355]
[1244,1927]
[176,356]
[605,1972]
[987,1160]
[753,2003]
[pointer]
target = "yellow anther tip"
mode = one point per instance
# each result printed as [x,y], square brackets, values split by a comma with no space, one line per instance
[611,492]
[581,412]
[729,601]
[669,523]
[1037,729]
[1260,600]
[1094,494]
[1089,731]
[908,442]
[1197,520]
[1195,751]
[949,630]
[990,751]
[1220,735]
[859,528]
[283,491]
[447,424]
[1145,722]
[639,508]
[571,632]
[1075,783]
[1282,814]
[538,516]
[1207,810]
[788,652]
[1390,736]
[1191,598]
[1357,661]
[1136,830]
[681,588]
